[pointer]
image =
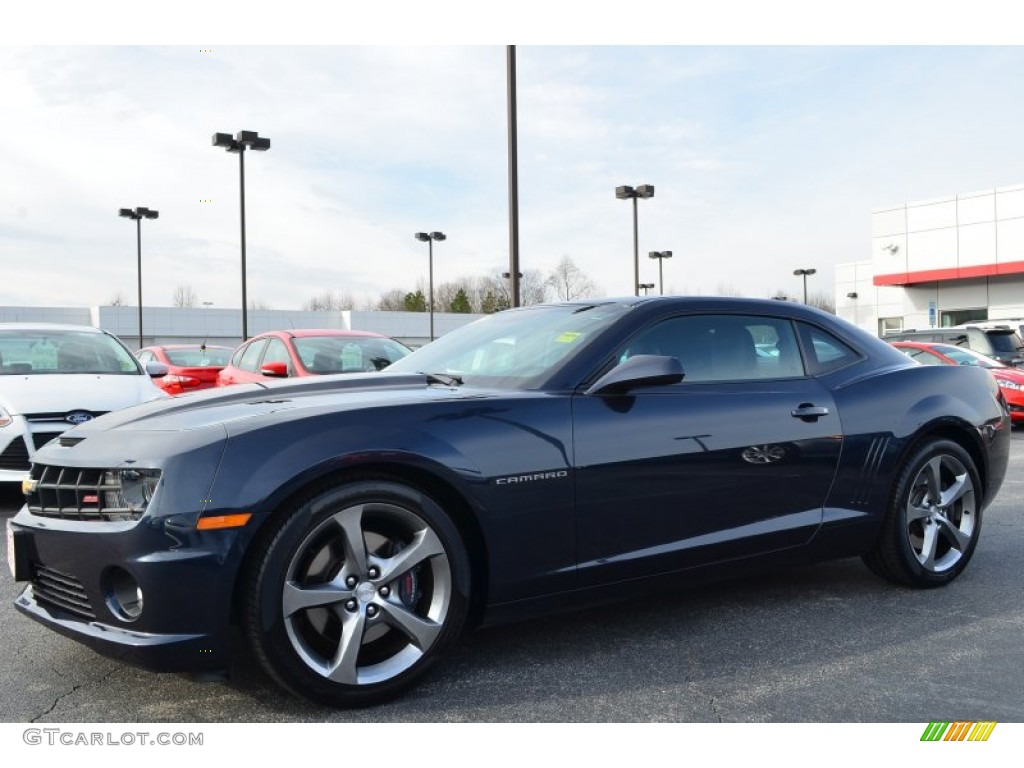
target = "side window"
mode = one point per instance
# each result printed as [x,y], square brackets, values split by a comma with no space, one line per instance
[723,347]
[823,351]
[236,357]
[251,356]
[277,352]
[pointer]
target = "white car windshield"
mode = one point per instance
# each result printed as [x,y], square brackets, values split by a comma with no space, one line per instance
[44,351]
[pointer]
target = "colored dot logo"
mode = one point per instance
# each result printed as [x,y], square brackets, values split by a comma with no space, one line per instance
[206,50]
[202,200]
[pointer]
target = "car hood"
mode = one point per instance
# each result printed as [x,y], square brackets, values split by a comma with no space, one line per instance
[62,392]
[230,405]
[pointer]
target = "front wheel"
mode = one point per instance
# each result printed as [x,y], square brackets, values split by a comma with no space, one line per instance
[356,592]
[934,518]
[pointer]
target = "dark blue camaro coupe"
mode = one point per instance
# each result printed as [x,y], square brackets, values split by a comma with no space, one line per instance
[538,459]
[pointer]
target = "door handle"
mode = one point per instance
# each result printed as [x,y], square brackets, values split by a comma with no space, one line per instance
[809,412]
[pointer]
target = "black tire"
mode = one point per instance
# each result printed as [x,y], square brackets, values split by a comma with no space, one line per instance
[355,592]
[934,518]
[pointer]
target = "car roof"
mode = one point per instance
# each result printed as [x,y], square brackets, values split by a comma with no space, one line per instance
[49,327]
[934,346]
[186,346]
[303,332]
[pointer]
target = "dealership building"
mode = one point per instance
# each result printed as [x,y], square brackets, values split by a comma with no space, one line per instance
[937,263]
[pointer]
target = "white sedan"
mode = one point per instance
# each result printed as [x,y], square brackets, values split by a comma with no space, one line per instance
[53,377]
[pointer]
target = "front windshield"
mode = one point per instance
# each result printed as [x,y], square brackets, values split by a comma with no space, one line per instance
[37,351]
[513,349]
[347,354]
[962,356]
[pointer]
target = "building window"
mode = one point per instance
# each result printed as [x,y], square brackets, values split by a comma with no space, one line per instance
[949,318]
[888,325]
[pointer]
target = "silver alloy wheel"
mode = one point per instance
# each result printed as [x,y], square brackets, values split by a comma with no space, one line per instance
[941,513]
[366,593]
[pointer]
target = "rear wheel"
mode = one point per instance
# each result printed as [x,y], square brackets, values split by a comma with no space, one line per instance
[934,518]
[356,593]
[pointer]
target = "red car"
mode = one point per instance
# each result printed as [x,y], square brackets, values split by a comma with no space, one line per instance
[190,367]
[310,352]
[1010,380]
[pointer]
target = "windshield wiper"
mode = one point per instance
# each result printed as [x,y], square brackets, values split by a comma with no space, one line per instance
[449,380]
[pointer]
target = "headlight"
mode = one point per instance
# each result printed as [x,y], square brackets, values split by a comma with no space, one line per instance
[1009,384]
[129,488]
[5,418]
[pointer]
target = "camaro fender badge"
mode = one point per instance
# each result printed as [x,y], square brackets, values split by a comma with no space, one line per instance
[532,477]
[78,417]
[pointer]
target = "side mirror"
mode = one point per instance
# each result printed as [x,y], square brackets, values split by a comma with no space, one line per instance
[276,369]
[638,371]
[156,370]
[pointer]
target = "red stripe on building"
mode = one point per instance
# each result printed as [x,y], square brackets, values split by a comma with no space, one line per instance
[951,273]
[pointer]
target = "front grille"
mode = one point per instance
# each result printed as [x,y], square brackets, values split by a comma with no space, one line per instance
[61,416]
[63,591]
[15,456]
[39,439]
[71,493]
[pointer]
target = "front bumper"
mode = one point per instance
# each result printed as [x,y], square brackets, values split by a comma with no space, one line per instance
[1015,404]
[156,652]
[184,624]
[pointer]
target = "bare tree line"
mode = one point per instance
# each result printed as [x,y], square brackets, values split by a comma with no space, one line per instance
[473,294]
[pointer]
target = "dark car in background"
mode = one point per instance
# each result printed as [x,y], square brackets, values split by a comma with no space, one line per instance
[190,367]
[539,459]
[309,352]
[1000,342]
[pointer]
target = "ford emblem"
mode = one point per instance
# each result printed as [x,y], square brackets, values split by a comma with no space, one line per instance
[78,417]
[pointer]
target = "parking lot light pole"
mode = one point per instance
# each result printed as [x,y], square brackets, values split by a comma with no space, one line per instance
[429,239]
[646,286]
[660,256]
[138,215]
[644,191]
[243,140]
[804,273]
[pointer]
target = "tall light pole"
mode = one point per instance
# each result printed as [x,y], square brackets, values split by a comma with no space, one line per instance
[243,140]
[513,177]
[646,287]
[138,215]
[429,239]
[804,273]
[660,256]
[644,191]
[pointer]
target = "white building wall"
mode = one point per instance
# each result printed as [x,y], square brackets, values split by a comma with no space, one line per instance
[68,315]
[937,256]
[188,325]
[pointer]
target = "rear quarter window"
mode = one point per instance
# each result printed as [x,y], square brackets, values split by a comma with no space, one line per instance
[823,352]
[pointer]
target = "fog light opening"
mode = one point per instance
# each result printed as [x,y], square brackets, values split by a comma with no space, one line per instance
[124,595]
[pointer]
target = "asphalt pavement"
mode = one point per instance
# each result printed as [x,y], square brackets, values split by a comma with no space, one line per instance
[825,643]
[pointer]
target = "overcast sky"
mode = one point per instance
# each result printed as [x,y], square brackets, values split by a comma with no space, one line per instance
[764,159]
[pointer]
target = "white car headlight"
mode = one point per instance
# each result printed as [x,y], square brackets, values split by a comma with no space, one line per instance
[5,418]
[1007,384]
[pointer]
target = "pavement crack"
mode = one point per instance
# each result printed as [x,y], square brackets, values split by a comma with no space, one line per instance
[102,679]
[714,709]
